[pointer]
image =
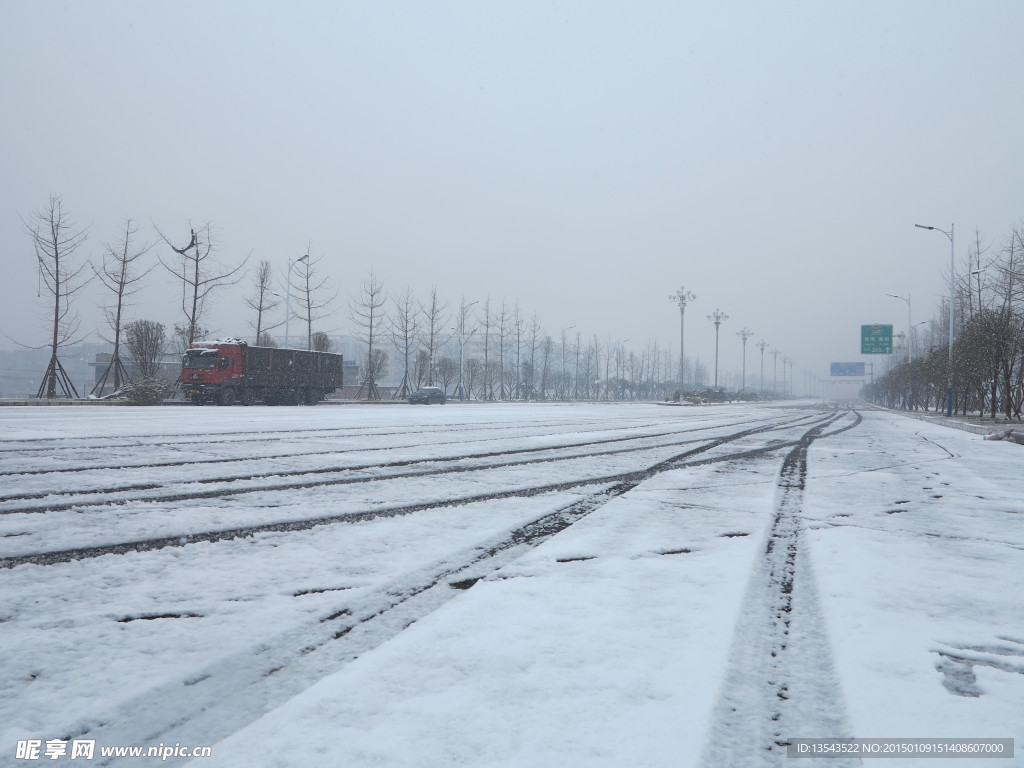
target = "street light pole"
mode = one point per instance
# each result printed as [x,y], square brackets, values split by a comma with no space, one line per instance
[910,321]
[682,297]
[744,333]
[762,345]
[288,300]
[952,293]
[775,373]
[717,317]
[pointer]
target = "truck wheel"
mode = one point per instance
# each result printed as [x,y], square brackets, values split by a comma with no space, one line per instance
[247,397]
[312,396]
[227,396]
[198,399]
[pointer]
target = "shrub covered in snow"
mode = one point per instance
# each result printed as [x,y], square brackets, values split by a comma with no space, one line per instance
[148,391]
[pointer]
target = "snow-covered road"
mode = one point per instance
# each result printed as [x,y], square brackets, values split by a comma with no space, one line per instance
[506,585]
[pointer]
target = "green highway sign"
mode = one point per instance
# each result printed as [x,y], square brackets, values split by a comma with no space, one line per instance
[876,339]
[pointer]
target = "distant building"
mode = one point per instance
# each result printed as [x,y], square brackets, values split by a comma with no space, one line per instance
[22,370]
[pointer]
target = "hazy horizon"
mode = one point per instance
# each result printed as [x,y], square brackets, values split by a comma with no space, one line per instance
[584,161]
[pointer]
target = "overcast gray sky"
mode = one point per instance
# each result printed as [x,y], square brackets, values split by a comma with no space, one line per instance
[582,158]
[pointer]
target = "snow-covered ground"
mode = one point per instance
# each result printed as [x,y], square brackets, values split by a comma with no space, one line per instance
[534,585]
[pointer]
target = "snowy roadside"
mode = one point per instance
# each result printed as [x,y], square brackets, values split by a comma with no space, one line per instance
[999,429]
[918,547]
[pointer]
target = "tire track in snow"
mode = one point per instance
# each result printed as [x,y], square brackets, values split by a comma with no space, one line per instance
[54,557]
[93,443]
[579,429]
[82,496]
[780,682]
[232,692]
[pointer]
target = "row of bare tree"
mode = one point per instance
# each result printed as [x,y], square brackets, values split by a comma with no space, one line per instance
[986,367]
[57,241]
[492,352]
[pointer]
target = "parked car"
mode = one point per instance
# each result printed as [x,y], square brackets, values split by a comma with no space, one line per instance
[428,395]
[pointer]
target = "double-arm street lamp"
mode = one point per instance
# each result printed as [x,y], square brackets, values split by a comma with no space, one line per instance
[744,334]
[682,297]
[717,317]
[775,372]
[952,294]
[762,345]
[288,300]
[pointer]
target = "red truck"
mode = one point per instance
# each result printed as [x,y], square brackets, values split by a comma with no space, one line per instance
[230,371]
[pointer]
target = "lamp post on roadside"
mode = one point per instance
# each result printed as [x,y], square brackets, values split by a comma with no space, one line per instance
[775,372]
[682,297]
[952,293]
[288,300]
[744,334]
[762,345]
[717,317]
[976,273]
[910,321]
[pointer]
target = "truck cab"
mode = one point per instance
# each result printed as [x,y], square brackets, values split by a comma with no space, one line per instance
[208,371]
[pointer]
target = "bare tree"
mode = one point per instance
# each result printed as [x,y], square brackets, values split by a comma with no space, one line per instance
[516,383]
[377,365]
[564,380]
[404,325]
[146,341]
[534,339]
[200,274]
[593,368]
[263,299]
[504,324]
[976,270]
[55,239]
[433,325]
[119,276]
[421,365]
[265,340]
[182,331]
[315,296]
[321,342]
[473,373]
[487,322]
[577,348]
[368,316]
[609,354]
[463,331]
[548,349]
[447,369]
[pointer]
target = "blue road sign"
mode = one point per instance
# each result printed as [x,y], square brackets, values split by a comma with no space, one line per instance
[847,369]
